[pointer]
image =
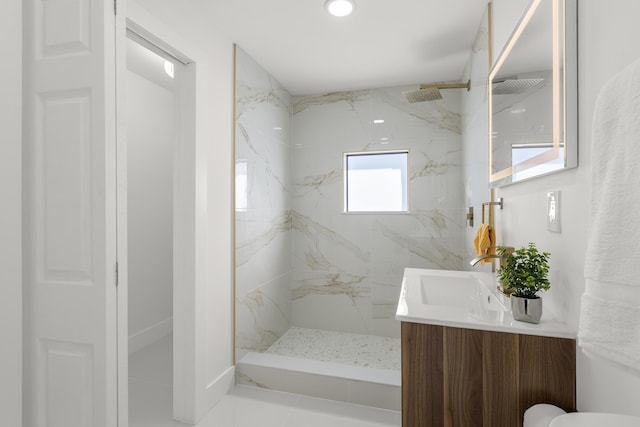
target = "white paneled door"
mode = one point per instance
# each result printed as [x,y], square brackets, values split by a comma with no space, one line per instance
[70,214]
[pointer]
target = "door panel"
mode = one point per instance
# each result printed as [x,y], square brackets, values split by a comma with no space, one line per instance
[64,178]
[70,364]
[69,225]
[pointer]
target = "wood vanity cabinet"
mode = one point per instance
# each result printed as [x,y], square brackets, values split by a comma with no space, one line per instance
[466,378]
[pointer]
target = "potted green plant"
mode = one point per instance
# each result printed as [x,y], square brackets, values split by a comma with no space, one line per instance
[524,272]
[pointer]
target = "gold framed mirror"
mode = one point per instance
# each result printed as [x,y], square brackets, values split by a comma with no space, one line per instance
[532,96]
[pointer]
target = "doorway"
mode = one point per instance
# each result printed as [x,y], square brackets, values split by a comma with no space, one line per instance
[202,373]
[153,104]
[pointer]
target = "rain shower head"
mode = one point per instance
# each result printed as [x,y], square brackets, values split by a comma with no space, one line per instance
[431,92]
[422,95]
[513,85]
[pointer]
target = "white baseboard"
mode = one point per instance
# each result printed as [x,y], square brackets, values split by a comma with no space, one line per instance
[216,390]
[149,335]
[220,387]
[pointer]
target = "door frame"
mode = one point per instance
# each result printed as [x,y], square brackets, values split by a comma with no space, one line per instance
[186,244]
[204,303]
[11,216]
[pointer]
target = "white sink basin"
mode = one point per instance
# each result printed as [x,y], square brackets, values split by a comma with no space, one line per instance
[463,290]
[466,299]
[466,294]
[587,419]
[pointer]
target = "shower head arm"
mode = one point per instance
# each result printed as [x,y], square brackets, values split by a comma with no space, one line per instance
[466,85]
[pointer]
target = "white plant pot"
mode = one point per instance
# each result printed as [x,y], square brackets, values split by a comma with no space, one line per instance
[526,309]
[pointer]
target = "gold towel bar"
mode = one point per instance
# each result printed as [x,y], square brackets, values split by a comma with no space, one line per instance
[500,203]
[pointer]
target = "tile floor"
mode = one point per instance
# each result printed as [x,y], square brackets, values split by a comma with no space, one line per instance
[249,406]
[339,347]
[150,396]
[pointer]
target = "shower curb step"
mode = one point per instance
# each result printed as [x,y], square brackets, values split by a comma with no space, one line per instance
[378,388]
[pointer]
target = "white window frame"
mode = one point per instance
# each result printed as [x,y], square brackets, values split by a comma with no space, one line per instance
[404,183]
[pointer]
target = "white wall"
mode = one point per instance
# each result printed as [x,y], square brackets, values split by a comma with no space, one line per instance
[10,214]
[151,134]
[505,14]
[606,37]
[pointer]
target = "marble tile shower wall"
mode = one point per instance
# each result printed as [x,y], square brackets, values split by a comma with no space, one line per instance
[299,259]
[347,268]
[475,128]
[263,214]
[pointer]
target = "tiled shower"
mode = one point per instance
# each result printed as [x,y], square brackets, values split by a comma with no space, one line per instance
[301,261]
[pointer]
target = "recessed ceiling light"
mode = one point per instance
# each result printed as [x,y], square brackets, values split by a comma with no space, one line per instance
[340,8]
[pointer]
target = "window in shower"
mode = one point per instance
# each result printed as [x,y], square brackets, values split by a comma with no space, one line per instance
[376,181]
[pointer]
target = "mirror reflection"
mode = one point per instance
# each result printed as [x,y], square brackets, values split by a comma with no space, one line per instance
[528,99]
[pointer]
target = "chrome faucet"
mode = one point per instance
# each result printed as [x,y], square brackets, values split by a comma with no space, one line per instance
[507,252]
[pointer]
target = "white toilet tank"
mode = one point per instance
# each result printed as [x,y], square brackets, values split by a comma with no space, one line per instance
[541,415]
[544,415]
[593,419]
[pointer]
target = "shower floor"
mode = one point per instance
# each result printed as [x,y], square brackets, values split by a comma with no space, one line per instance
[339,347]
[347,367]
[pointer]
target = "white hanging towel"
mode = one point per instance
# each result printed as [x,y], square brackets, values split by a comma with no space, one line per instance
[610,312]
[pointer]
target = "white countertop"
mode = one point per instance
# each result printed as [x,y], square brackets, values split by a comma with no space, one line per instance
[481,313]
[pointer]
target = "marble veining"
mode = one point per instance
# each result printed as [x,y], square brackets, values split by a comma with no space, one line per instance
[434,220]
[301,103]
[256,300]
[263,227]
[331,285]
[260,340]
[436,114]
[385,310]
[432,253]
[431,168]
[314,230]
[314,182]
[247,249]
[300,259]
[265,314]
[350,265]
[269,169]
[249,97]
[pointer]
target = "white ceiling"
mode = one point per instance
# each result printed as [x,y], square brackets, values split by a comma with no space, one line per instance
[383,43]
